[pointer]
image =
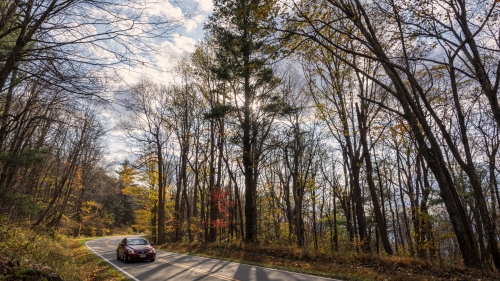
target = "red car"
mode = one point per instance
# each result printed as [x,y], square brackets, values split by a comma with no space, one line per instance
[135,248]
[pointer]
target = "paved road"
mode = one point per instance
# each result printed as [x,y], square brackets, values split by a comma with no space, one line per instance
[173,266]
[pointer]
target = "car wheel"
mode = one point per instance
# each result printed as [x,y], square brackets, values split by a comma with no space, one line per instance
[152,260]
[117,255]
[124,257]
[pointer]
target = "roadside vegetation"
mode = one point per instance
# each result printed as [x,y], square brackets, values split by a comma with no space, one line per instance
[351,266]
[26,255]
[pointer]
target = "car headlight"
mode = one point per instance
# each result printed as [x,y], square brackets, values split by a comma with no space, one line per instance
[131,251]
[151,250]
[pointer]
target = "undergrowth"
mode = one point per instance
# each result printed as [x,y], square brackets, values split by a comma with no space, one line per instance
[25,255]
[345,266]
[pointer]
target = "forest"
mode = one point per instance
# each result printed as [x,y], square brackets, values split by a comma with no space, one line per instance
[350,126]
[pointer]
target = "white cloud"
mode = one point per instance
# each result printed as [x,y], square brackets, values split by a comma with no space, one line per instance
[154,66]
[162,9]
[194,22]
[205,5]
[186,44]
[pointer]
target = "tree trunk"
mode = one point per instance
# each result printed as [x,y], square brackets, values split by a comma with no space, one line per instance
[381,226]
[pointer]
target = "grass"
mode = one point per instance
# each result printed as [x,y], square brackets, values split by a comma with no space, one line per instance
[24,255]
[345,266]
[91,267]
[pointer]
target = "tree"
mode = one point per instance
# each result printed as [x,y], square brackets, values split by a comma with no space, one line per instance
[126,174]
[240,28]
[365,24]
[147,127]
[53,62]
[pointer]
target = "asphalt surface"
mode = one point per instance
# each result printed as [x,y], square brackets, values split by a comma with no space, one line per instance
[173,266]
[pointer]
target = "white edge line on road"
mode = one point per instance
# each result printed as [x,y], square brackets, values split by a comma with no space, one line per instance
[296,273]
[292,272]
[110,263]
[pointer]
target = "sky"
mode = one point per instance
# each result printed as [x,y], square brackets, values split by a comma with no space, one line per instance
[165,52]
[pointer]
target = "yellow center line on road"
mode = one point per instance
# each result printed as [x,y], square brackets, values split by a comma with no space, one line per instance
[197,270]
[107,243]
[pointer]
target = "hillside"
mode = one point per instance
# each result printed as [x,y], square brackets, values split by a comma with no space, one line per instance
[29,256]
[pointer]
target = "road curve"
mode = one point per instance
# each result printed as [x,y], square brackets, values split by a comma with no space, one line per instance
[173,266]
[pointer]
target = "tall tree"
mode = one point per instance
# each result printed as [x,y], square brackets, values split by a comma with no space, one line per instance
[242,28]
[366,24]
[148,127]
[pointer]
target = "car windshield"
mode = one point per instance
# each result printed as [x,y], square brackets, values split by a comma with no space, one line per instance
[137,242]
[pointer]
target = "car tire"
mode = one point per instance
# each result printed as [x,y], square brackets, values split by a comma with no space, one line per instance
[152,260]
[118,256]
[124,257]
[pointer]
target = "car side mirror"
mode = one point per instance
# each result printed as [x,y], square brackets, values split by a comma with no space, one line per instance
[121,244]
[151,243]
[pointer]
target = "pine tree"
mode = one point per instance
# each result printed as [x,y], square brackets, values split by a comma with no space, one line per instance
[242,29]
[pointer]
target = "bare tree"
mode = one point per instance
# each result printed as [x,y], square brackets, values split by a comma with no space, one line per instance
[148,126]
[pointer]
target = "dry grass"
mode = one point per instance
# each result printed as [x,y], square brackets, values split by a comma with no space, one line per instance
[335,265]
[26,256]
[90,267]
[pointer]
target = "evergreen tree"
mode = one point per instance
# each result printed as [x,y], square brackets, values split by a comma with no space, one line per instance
[242,29]
[124,212]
